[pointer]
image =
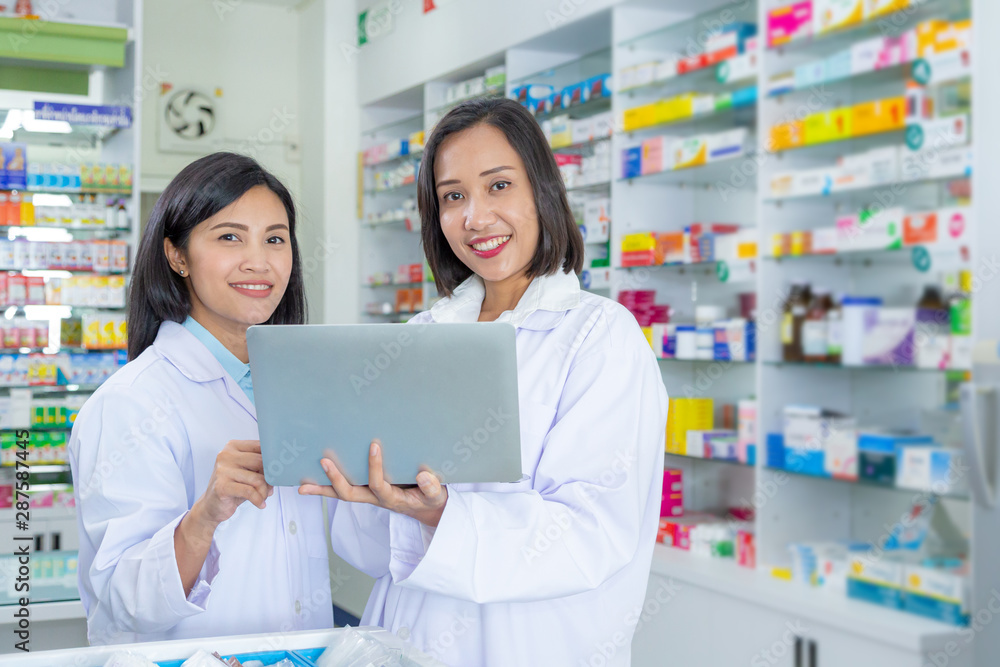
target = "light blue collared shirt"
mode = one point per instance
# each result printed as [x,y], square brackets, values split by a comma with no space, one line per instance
[236,368]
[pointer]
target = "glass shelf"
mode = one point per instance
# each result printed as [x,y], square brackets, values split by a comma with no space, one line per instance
[703,80]
[571,72]
[674,38]
[599,186]
[698,270]
[20,230]
[54,350]
[866,258]
[415,156]
[585,110]
[861,369]
[56,191]
[834,149]
[401,127]
[397,285]
[393,190]
[580,146]
[79,135]
[732,462]
[702,175]
[395,222]
[889,24]
[674,360]
[880,78]
[869,484]
[55,389]
[47,468]
[490,93]
[850,194]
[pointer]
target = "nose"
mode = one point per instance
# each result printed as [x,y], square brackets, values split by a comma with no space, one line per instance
[255,260]
[478,215]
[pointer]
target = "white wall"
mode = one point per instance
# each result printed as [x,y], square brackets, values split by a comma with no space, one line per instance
[249,50]
[421,47]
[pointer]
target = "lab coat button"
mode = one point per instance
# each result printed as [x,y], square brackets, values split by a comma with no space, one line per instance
[291,527]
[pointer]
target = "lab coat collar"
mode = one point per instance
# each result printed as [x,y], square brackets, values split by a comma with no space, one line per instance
[190,356]
[541,308]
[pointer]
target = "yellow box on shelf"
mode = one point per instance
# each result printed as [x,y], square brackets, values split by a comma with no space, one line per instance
[675,108]
[638,242]
[827,126]
[687,414]
[637,118]
[648,333]
[876,8]
[878,116]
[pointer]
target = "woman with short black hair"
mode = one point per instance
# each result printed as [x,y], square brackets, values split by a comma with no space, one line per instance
[551,570]
[180,536]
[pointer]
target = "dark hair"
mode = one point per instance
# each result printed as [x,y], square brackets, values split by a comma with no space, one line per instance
[560,244]
[202,189]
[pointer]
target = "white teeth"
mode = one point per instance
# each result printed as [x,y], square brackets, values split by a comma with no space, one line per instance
[259,288]
[491,244]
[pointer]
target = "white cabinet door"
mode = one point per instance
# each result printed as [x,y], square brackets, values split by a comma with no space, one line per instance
[686,625]
[835,648]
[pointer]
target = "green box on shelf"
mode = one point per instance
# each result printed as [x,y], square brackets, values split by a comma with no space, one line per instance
[62,43]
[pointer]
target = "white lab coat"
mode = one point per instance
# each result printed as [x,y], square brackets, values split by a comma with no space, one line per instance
[552,570]
[142,451]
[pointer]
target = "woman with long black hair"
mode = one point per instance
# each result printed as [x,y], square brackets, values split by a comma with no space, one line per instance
[180,536]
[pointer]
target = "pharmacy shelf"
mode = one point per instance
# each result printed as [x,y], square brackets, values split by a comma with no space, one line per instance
[867,483]
[704,362]
[40,389]
[882,78]
[578,111]
[80,136]
[900,258]
[599,186]
[695,269]
[579,146]
[702,175]
[56,307]
[834,149]
[703,80]
[54,350]
[851,194]
[395,160]
[397,285]
[445,108]
[885,369]
[56,191]
[897,22]
[573,71]
[38,468]
[20,230]
[698,459]
[904,631]
[393,190]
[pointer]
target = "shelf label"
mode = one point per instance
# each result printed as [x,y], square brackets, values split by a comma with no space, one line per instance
[722,271]
[84,114]
[922,71]
[921,259]
[915,137]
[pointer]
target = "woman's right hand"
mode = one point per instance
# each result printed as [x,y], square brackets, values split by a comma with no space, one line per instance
[238,476]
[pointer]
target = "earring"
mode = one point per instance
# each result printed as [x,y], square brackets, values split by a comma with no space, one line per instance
[182,272]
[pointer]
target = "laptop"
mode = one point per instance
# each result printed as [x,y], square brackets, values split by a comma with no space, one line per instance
[437,396]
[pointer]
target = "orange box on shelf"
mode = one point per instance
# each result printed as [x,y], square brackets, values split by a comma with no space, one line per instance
[638,258]
[781,244]
[403,304]
[787,135]
[669,248]
[878,116]
[920,228]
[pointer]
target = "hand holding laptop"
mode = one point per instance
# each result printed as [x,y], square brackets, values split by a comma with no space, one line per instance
[425,503]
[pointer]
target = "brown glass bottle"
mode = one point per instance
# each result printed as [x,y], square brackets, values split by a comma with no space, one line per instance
[794,315]
[814,328]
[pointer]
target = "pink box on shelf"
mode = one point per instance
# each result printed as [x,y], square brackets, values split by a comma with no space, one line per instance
[672,503]
[788,23]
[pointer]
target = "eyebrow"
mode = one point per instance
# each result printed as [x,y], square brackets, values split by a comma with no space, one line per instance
[236,225]
[488,172]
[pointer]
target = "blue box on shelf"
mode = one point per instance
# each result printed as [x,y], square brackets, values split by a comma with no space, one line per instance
[745,97]
[930,607]
[868,591]
[751,455]
[632,162]
[597,87]
[877,454]
[572,95]
[838,66]
[806,461]
[775,450]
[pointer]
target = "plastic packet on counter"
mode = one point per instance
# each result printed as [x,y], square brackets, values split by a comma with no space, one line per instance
[372,647]
[126,659]
[204,659]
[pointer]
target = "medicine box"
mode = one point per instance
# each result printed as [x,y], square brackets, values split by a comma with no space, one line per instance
[925,468]
[889,335]
[788,23]
[672,503]
[876,8]
[879,116]
[876,580]
[690,152]
[938,593]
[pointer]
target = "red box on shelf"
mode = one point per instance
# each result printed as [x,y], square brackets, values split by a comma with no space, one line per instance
[746,549]
[638,258]
[700,228]
[692,63]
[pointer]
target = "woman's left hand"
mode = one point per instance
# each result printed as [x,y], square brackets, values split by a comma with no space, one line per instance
[424,503]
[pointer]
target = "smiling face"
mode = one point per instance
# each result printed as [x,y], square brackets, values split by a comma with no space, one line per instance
[237,263]
[487,207]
